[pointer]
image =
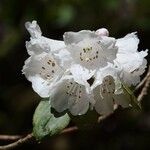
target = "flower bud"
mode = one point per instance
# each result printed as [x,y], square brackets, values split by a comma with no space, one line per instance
[102,32]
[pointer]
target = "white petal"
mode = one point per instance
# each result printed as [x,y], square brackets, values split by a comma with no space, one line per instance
[110,49]
[80,107]
[42,44]
[55,45]
[108,42]
[64,58]
[40,86]
[105,105]
[39,43]
[33,29]
[109,70]
[128,44]
[75,37]
[37,46]
[81,75]
[131,63]
[122,99]
[132,67]
[59,96]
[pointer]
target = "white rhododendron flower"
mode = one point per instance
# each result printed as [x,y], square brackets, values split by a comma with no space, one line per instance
[89,50]
[68,94]
[84,71]
[43,71]
[108,92]
[106,98]
[131,61]
[41,68]
[128,59]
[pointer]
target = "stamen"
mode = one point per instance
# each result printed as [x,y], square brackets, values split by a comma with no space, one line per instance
[48,75]
[89,54]
[75,90]
[53,64]
[71,90]
[78,94]
[100,92]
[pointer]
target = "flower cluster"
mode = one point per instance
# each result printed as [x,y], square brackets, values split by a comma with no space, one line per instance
[84,71]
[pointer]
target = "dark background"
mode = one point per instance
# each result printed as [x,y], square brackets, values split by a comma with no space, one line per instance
[125,129]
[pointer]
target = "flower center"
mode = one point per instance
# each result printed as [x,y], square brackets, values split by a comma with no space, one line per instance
[88,54]
[107,87]
[74,90]
[49,67]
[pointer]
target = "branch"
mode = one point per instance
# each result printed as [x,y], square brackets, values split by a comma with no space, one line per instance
[141,84]
[10,137]
[28,138]
[144,90]
[68,130]
[17,143]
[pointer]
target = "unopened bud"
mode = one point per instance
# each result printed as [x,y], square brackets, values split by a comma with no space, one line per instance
[102,32]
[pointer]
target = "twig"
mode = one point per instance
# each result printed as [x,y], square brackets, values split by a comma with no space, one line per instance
[101,118]
[68,130]
[143,81]
[28,138]
[144,90]
[17,143]
[10,137]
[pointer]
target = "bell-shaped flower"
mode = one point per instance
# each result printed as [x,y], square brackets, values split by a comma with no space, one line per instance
[43,71]
[128,58]
[41,68]
[132,62]
[67,94]
[88,50]
[106,96]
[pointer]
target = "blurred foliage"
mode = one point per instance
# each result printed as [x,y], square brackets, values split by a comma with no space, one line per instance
[125,129]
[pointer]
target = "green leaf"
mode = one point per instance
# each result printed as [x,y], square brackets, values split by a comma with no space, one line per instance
[135,104]
[45,123]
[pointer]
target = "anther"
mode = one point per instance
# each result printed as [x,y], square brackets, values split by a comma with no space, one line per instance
[48,75]
[84,50]
[53,64]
